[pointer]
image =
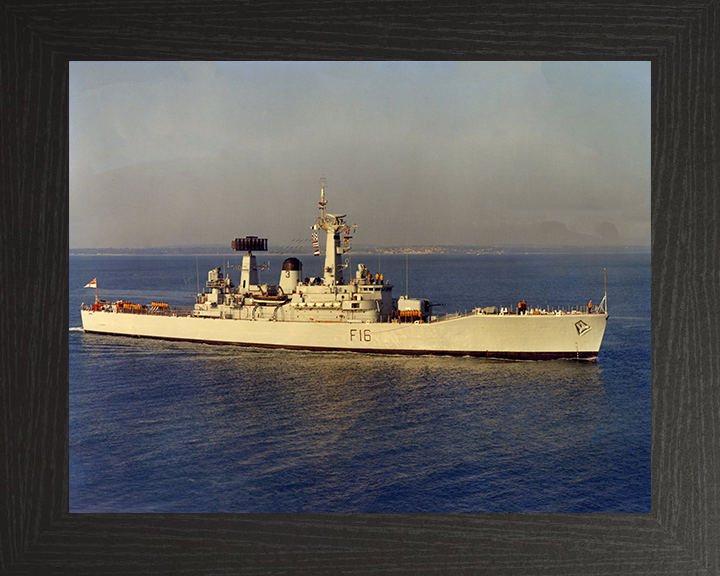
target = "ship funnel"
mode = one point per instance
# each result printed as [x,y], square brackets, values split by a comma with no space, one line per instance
[248,273]
[290,275]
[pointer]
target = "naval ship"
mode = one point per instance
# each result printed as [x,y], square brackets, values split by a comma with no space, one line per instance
[356,314]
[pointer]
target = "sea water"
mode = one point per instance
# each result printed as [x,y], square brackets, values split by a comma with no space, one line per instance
[180,427]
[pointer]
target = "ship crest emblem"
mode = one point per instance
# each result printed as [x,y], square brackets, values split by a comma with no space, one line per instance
[582,327]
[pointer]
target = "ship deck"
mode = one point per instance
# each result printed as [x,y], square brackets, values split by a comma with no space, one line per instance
[186,311]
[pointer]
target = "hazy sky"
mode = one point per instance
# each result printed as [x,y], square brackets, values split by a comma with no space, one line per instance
[184,153]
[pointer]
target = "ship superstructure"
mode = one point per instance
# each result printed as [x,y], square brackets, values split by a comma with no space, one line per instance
[360,314]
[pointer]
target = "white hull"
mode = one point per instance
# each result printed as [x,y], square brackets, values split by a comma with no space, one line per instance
[542,336]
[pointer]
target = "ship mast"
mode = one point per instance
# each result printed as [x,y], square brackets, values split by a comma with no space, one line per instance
[323,202]
[604,301]
[332,224]
[603,304]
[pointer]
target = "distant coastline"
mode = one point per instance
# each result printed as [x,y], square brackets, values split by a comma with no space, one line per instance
[367,250]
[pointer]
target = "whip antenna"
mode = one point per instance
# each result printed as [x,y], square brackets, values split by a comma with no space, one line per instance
[406,274]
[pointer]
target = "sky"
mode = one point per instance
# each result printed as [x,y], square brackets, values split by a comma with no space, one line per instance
[416,153]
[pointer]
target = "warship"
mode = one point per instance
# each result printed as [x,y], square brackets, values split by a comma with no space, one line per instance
[360,314]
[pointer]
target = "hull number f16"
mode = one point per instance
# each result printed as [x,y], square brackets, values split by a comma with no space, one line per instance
[357,335]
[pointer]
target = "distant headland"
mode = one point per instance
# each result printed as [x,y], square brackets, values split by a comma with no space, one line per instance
[362,250]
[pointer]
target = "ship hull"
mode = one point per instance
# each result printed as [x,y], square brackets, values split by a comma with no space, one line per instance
[545,336]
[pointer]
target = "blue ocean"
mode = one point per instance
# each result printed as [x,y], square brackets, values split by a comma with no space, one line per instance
[180,427]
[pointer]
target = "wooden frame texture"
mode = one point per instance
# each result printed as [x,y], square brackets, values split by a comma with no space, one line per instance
[37,534]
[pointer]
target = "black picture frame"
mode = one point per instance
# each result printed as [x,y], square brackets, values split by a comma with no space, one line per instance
[39,536]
